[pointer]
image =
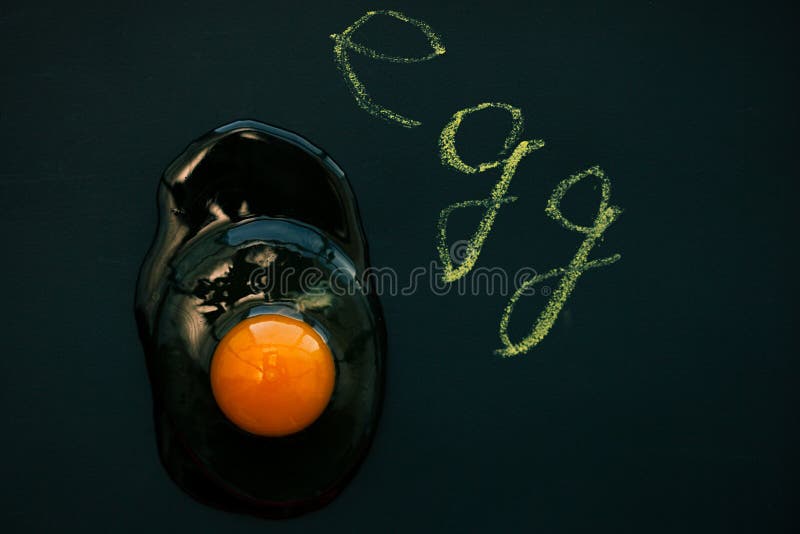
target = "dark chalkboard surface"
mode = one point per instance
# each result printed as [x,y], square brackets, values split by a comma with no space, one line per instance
[662,400]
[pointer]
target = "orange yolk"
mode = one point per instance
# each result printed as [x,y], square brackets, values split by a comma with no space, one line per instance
[272,375]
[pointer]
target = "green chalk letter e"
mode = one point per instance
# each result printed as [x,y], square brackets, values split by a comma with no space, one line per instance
[343,42]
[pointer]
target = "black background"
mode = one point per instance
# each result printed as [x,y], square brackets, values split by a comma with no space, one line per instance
[663,399]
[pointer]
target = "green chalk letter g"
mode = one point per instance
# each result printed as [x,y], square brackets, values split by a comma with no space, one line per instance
[606,215]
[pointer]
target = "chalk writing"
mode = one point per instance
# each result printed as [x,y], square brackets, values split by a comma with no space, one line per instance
[343,42]
[606,214]
[571,273]
[497,198]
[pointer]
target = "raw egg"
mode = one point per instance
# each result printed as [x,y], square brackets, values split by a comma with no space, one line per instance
[265,349]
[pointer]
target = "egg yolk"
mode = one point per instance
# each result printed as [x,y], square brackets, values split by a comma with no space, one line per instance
[272,375]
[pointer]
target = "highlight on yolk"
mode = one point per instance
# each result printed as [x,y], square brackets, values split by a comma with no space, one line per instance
[272,375]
